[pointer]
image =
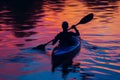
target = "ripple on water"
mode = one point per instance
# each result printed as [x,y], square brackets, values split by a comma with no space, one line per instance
[36,22]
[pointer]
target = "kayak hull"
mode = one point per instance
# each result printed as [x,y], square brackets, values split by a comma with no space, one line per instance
[62,57]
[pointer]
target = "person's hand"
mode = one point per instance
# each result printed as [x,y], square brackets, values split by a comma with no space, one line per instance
[73,27]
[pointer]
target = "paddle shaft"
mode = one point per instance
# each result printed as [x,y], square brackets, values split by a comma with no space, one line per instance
[75,25]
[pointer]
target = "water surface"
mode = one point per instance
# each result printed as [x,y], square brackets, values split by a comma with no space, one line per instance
[26,24]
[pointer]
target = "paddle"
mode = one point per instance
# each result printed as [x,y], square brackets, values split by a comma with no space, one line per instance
[84,20]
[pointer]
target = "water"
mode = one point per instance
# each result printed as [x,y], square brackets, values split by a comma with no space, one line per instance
[25,24]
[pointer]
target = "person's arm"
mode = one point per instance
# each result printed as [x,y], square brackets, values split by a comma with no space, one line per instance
[77,32]
[55,39]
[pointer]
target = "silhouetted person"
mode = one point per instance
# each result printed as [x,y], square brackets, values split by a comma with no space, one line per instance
[65,37]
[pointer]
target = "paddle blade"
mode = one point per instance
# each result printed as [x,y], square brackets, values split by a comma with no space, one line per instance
[40,47]
[86,19]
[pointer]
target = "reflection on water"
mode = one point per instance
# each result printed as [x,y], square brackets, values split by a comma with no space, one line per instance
[26,24]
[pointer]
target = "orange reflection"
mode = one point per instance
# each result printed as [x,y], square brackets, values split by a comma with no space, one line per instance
[104,28]
[98,72]
[109,63]
[106,68]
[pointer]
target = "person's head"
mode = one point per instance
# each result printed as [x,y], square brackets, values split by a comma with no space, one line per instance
[65,26]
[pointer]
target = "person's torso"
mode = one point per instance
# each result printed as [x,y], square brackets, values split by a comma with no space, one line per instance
[65,38]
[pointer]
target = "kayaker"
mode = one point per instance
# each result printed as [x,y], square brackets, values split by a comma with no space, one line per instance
[65,37]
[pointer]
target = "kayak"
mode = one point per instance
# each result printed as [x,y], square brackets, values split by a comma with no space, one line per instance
[63,56]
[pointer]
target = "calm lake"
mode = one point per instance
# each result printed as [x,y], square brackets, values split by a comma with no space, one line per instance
[28,23]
